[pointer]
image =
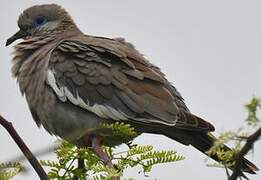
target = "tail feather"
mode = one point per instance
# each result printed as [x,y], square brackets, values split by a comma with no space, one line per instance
[206,141]
[203,142]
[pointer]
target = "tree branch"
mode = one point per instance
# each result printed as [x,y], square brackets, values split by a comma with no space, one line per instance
[23,147]
[240,155]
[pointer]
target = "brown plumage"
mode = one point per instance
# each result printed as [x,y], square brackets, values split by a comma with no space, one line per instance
[73,82]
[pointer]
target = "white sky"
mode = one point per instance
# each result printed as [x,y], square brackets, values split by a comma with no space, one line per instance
[209,49]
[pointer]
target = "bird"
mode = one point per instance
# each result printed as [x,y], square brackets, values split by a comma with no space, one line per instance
[73,82]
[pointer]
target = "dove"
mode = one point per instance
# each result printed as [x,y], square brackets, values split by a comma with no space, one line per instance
[73,82]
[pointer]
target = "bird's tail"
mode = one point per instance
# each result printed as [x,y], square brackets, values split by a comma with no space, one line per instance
[203,142]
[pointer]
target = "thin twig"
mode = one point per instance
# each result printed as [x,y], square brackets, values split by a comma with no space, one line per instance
[135,161]
[81,165]
[240,156]
[23,147]
[227,172]
[67,169]
[37,153]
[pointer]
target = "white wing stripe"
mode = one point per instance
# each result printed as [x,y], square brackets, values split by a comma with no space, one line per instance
[52,82]
[104,111]
[63,93]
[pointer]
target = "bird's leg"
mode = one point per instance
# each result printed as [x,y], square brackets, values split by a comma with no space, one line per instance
[94,143]
[96,148]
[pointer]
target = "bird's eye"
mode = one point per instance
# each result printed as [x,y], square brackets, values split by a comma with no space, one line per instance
[40,21]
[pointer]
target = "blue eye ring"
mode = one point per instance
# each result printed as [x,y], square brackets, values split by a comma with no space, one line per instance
[39,21]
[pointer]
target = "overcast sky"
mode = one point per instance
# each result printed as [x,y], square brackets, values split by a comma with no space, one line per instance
[209,49]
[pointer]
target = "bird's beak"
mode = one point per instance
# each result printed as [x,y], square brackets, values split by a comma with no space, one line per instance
[20,34]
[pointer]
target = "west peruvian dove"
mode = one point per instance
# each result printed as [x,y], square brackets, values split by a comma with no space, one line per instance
[73,82]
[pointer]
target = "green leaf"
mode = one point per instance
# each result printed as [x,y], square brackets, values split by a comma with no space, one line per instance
[252,107]
[66,167]
[238,137]
[116,133]
[9,170]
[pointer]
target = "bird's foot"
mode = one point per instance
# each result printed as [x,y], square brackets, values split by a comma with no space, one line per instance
[94,143]
[97,149]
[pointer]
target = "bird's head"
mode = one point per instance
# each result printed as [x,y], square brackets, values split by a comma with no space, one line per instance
[41,20]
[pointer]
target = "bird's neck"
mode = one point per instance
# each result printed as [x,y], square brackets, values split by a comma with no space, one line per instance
[29,50]
[30,64]
[26,52]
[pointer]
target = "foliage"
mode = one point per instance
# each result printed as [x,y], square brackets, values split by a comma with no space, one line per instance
[116,133]
[9,170]
[136,155]
[238,137]
[252,108]
[65,167]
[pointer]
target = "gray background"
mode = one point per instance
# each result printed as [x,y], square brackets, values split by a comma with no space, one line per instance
[209,49]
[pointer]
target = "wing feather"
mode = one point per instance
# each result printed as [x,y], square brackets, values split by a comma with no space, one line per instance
[115,82]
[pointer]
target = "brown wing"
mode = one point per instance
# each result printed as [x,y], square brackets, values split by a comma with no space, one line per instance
[114,81]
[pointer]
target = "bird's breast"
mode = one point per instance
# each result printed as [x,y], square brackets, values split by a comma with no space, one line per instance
[63,119]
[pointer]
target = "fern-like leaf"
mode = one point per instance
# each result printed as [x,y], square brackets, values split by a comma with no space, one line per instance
[9,170]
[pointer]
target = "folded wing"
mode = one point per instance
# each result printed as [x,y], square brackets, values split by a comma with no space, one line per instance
[114,81]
